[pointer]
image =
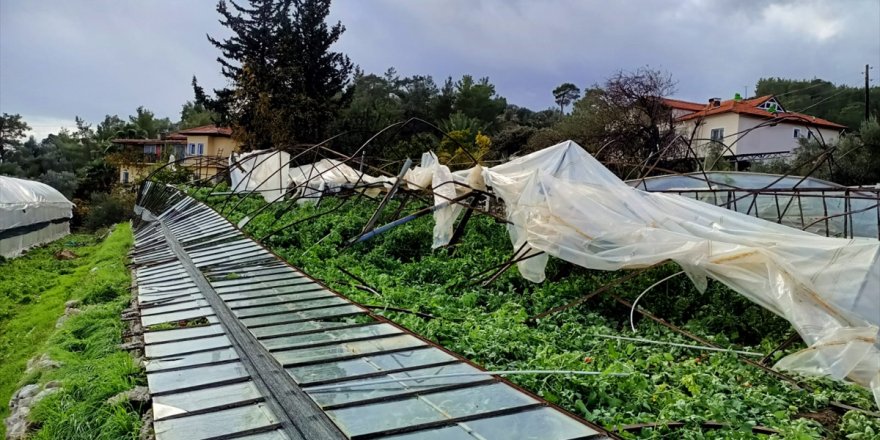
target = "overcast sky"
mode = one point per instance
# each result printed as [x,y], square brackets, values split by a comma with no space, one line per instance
[60,58]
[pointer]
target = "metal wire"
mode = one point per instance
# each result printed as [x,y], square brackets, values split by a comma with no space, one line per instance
[448,375]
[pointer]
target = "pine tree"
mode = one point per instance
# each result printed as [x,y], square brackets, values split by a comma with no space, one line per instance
[286,84]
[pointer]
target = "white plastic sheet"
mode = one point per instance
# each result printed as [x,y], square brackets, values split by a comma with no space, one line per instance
[331,176]
[565,203]
[26,203]
[260,171]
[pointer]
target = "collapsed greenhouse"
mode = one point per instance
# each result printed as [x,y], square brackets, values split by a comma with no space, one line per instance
[559,203]
[31,213]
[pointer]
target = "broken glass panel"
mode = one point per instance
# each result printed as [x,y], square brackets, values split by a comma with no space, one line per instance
[292,307]
[147,321]
[368,364]
[293,357]
[359,390]
[330,335]
[537,424]
[165,381]
[235,294]
[304,315]
[181,333]
[189,401]
[215,424]
[278,299]
[428,408]
[299,327]
[189,360]
[173,307]
[188,346]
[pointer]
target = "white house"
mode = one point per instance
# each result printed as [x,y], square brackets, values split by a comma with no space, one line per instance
[749,127]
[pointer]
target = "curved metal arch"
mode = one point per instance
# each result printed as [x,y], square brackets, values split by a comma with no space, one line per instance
[399,125]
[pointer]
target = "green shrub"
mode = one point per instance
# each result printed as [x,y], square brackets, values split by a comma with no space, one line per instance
[107,209]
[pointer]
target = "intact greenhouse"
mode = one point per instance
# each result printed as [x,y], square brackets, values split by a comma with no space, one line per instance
[31,214]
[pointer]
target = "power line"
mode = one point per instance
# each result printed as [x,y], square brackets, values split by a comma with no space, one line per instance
[801,90]
[821,101]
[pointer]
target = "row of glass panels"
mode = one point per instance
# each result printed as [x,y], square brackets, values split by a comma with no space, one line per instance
[373,379]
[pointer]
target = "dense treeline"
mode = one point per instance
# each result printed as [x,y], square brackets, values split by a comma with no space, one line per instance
[287,88]
[816,97]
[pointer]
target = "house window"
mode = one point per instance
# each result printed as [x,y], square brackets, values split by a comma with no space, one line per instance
[717,134]
[201,149]
[797,133]
[125,176]
[149,149]
[191,150]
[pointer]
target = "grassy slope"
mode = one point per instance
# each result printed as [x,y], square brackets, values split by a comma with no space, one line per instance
[33,290]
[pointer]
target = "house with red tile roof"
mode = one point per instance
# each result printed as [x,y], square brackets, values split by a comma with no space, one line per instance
[204,150]
[758,126]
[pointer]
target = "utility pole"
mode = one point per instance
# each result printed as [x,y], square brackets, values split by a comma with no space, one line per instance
[867,93]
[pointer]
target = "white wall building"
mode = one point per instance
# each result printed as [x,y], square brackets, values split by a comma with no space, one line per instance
[756,126]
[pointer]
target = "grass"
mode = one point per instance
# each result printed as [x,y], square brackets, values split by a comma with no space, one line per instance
[33,291]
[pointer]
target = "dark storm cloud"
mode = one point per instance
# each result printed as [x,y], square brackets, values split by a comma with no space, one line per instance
[59,58]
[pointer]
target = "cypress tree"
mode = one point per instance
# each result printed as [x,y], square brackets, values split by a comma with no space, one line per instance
[285,83]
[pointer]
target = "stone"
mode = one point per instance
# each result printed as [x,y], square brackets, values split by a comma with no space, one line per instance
[147,432]
[41,362]
[136,394]
[17,424]
[72,304]
[65,254]
[25,393]
[133,345]
[52,384]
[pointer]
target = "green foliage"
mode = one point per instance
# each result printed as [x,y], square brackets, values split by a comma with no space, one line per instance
[12,129]
[838,103]
[477,99]
[172,175]
[108,209]
[565,94]
[93,370]
[486,324]
[855,161]
[625,117]
[287,83]
[33,291]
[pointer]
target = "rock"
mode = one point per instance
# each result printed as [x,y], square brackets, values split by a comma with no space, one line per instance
[65,254]
[41,362]
[147,432]
[52,384]
[136,394]
[17,424]
[72,304]
[25,393]
[133,345]
[68,312]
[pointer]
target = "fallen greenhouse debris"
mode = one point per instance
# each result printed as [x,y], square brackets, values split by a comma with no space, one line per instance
[273,336]
[561,202]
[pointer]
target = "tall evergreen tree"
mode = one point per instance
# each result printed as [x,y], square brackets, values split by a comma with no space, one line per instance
[286,83]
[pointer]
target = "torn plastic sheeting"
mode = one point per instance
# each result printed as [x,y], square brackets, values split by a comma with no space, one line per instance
[332,175]
[259,171]
[431,173]
[565,203]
